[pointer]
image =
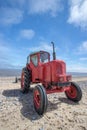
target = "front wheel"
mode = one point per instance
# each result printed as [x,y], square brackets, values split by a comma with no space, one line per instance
[74,93]
[40,99]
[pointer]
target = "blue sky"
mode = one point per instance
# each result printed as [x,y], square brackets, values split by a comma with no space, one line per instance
[30,25]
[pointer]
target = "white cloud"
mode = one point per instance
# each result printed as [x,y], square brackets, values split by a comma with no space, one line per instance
[13,14]
[43,46]
[27,33]
[3,49]
[3,45]
[78,13]
[46,46]
[10,16]
[38,6]
[83,47]
[4,54]
[76,68]
[83,59]
[9,56]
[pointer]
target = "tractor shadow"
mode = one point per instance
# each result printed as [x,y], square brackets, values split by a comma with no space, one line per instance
[67,101]
[26,100]
[52,105]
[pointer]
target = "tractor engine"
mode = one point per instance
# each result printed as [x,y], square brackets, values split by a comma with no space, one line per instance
[53,72]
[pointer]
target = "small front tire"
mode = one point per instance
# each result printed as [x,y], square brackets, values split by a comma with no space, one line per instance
[74,93]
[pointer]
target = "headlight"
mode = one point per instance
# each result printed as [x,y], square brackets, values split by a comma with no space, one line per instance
[69,78]
[61,79]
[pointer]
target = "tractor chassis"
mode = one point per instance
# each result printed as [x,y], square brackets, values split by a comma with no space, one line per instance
[58,87]
[59,84]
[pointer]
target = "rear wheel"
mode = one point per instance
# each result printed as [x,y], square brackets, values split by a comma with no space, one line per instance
[25,80]
[74,93]
[40,99]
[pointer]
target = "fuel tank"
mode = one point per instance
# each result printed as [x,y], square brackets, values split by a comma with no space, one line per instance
[52,71]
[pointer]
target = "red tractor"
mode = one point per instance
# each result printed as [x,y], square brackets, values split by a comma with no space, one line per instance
[52,76]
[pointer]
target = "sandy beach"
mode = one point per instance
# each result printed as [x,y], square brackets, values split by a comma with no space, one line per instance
[17,110]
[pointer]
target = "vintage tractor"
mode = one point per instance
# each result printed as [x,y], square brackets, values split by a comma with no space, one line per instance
[52,76]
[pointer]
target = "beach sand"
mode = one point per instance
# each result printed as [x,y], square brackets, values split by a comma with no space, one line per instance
[17,110]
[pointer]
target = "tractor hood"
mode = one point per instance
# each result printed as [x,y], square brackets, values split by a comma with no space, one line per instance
[52,70]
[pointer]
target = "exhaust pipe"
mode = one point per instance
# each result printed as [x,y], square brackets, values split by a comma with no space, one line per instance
[54,53]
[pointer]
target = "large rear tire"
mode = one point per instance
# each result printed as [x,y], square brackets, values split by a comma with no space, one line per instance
[74,93]
[40,99]
[25,80]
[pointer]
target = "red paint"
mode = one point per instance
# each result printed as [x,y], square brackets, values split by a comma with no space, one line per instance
[46,73]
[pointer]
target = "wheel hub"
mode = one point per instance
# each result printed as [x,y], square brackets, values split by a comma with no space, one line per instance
[37,99]
[72,92]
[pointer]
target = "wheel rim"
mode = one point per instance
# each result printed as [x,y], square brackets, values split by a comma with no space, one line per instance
[72,92]
[37,99]
[22,80]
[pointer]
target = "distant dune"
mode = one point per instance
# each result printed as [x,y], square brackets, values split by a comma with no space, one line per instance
[10,72]
[17,72]
[77,74]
